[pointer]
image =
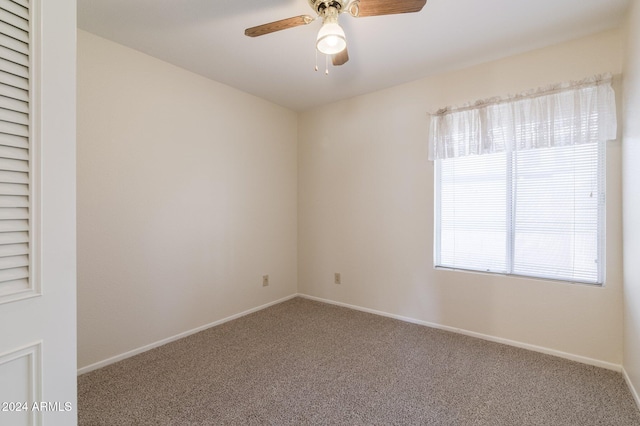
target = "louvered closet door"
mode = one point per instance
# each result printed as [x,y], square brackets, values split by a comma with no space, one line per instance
[20,374]
[18,361]
[14,149]
[37,144]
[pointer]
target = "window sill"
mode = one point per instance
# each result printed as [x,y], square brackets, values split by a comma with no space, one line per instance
[526,277]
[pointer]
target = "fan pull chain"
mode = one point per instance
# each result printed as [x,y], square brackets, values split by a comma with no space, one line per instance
[326,68]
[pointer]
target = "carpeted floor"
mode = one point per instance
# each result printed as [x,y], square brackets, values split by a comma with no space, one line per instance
[308,363]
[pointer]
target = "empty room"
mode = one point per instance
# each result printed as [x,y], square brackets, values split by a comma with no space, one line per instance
[302,212]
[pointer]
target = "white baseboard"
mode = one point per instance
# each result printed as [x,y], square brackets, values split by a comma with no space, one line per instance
[634,391]
[145,348]
[548,351]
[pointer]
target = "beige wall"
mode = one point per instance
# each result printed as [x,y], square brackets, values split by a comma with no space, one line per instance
[365,209]
[186,197]
[631,193]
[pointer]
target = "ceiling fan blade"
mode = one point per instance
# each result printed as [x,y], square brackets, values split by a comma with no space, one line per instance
[364,8]
[340,58]
[282,24]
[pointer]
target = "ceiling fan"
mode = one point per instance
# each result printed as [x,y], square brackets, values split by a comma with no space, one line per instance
[331,39]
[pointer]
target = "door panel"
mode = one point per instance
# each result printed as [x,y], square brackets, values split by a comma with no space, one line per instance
[37,213]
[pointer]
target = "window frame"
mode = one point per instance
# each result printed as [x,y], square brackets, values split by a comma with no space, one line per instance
[601,174]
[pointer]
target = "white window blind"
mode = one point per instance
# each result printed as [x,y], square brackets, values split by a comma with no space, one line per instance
[15,94]
[520,184]
[472,213]
[537,213]
[559,206]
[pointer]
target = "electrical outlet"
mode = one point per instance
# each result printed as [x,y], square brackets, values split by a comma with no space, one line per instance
[265,280]
[336,278]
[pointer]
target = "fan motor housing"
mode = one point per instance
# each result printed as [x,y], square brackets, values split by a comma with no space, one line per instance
[321,5]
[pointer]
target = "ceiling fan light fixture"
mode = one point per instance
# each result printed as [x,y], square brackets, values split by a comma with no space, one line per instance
[331,38]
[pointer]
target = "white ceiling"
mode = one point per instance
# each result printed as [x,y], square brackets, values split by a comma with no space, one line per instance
[207,37]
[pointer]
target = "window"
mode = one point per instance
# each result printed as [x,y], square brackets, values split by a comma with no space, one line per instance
[520,184]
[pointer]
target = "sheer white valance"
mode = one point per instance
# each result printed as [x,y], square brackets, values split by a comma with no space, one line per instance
[565,114]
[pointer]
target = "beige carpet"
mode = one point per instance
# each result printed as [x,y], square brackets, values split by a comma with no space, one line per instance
[307,363]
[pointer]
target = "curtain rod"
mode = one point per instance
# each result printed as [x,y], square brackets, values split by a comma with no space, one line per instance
[531,94]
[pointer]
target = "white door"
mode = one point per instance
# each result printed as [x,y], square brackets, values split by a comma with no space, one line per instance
[37,213]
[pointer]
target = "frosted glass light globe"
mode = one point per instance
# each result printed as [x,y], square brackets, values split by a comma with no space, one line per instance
[331,39]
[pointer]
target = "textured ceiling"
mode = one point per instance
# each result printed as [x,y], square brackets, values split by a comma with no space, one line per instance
[207,37]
